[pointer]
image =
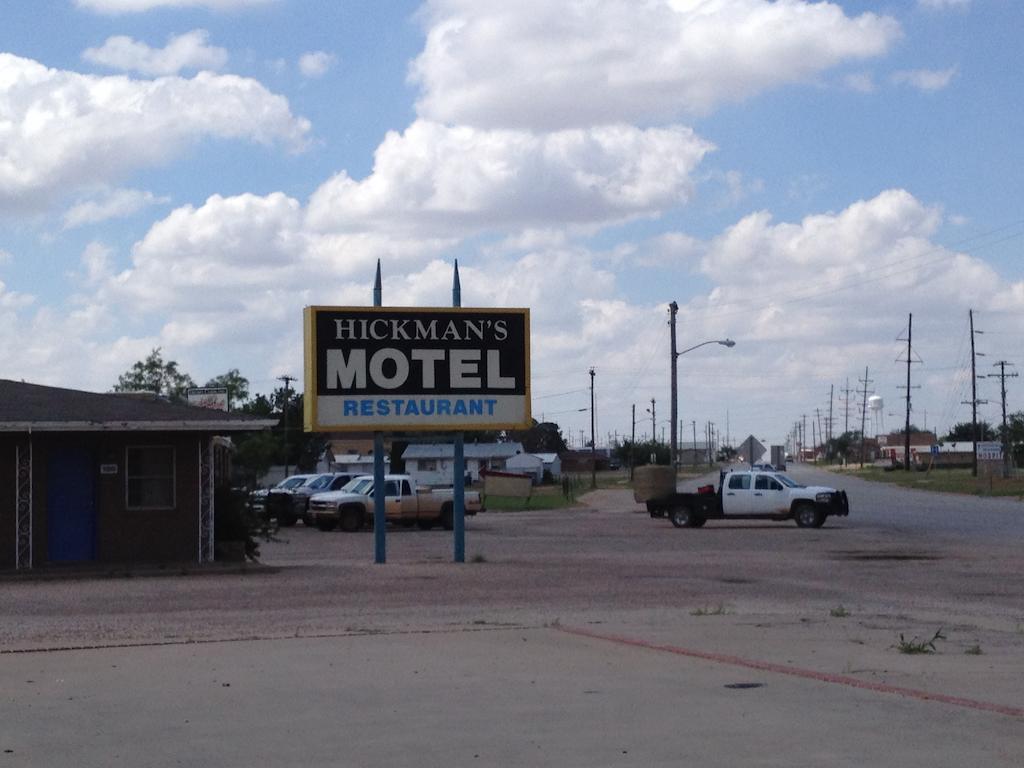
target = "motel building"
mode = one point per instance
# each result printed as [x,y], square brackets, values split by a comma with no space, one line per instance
[108,478]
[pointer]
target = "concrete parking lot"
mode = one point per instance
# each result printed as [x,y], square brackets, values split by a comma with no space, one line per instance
[594,636]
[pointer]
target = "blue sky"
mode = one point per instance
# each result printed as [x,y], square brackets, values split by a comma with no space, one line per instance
[799,176]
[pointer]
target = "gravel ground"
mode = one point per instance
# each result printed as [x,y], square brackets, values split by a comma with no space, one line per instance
[768,590]
[609,602]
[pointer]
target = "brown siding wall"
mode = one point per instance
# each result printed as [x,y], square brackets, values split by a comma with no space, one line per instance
[8,490]
[122,535]
[149,535]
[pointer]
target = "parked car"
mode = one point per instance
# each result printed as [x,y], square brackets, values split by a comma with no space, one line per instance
[288,501]
[352,507]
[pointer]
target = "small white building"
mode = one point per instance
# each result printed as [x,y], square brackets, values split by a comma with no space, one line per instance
[552,464]
[529,464]
[356,463]
[434,463]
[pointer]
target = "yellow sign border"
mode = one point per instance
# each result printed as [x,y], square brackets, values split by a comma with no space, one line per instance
[309,400]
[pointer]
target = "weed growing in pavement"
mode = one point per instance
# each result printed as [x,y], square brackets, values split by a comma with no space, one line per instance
[709,610]
[478,559]
[919,646]
[974,650]
[839,612]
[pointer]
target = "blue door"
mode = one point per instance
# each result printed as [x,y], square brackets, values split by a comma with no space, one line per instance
[71,506]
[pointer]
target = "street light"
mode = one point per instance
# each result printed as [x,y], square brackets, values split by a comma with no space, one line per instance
[675,386]
[673,309]
[723,342]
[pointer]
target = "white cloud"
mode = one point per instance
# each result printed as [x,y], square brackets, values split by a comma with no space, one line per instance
[66,130]
[96,263]
[5,256]
[544,65]
[862,82]
[139,6]
[189,51]
[110,204]
[440,179]
[925,79]
[941,5]
[315,63]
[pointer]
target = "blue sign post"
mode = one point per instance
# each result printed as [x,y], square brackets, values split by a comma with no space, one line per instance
[384,369]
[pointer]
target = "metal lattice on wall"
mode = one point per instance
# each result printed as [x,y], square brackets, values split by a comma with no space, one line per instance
[205,500]
[23,505]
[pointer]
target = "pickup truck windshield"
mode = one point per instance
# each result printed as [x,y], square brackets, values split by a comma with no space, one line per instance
[357,485]
[787,481]
[292,482]
[320,482]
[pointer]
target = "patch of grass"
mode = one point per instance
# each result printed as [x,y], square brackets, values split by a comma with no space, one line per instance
[709,610]
[839,612]
[543,497]
[945,481]
[917,646]
[974,650]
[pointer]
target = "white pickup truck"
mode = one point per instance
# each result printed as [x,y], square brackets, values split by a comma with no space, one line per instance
[752,495]
[351,507]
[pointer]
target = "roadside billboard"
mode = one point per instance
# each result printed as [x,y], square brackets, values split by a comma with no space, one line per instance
[208,397]
[392,368]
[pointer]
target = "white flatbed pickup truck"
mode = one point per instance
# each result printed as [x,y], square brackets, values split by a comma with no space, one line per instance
[351,507]
[752,495]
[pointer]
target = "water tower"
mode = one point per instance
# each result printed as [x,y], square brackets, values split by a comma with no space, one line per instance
[876,406]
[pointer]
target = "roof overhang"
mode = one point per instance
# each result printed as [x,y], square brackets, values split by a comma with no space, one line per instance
[138,426]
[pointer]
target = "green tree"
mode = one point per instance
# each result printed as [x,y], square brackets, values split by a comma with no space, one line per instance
[964,432]
[541,437]
[156,375]
[639,454]
[237,386]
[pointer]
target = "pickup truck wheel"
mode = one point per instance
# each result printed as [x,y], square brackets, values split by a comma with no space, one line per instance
[326,523]
[425,525]
[351,519]
[681,517]
[447,517]
[286,519]
[807,516]
[699,521]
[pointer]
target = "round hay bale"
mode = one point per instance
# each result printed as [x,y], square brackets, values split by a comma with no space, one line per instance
[653,481]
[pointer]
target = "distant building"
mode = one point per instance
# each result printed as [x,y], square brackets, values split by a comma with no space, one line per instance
[433,463]
[528,464]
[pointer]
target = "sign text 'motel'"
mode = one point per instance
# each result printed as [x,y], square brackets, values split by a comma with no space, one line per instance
[387,368]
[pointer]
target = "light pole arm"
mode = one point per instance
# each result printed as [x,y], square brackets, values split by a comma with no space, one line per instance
[723,342]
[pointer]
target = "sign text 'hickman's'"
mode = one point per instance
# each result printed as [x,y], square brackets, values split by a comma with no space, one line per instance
[394,368]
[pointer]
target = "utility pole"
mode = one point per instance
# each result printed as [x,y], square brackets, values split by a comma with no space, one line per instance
[1003,376]
[846,405]
[694,422]
[632,444]
[910,359]
[673,458]
[654,431]
[863,414]
[803,433]
[974,399]
[593,439]
[287,380]
[831,395]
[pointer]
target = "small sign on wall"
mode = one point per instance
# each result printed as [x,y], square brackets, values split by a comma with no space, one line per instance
[108,469]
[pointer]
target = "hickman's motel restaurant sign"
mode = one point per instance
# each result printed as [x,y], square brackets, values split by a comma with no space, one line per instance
[390,369]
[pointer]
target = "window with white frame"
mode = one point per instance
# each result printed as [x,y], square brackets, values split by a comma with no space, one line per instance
[149,477]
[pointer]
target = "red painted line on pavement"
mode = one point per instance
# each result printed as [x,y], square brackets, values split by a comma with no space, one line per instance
[808,674]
